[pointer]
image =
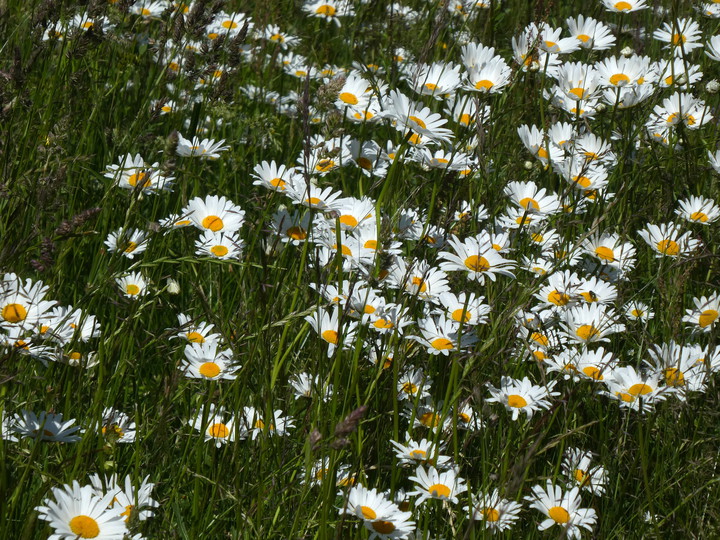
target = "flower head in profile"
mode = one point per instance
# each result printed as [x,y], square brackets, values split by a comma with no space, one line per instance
[704,316]
[205,148]
[578,468]
[46,427]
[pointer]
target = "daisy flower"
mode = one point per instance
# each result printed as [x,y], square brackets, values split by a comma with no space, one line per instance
[22,306]
[588,323]
[521,396]
[424,452]
[216,214]
[330,10]
[705,314]
[635,390]
[441,336]
[596,365]
[206,148]
[637,310]
[218,427]
[368,504]
[665,239]
[591,34]
[78,512]
[624,6]
[133,503]
[117,426]
[47,426]
[496,513]
[527,196]
[698,209]
[679,366]
[254,424]
[314,197]
[560,290]
[682,109]
[431,484]
[550,41]
[413,383]
[477,256]
[489,78]
[128,243]
[681,36]
[205,361]
[465,308]
[418,279]
[132,285]
[416,118]
[577,467]
[610,250]
[307,385]
[272,176]
[327,326]
[595,290]
[562,509]
[132,172]
[222,245]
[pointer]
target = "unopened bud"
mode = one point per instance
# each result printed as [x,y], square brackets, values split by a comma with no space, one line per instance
[534,66]
[528,165]
[713,86]
[627,51]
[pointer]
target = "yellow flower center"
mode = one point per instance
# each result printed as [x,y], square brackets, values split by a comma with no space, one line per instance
[409,388]
[460,315]
[141,179]
[219,431]
[326,10]
[439,490]
[484,85]
[132,289]
[418,121]
[418,454]
[516,401]
[84,527]
[578,92]
[619,78]
[348,221]
[296,233]
[350,99]
[668,247]
[14,313]
[429,419]
[367,512]
[477,264]
[699,216]
[605,254]
[195,337]
[442,344]
[623,6]
[219,251]
[559,514]
[707,317]
[528,202]
[674,377]
[214,223]
[587,331]
[678,39]
[209,370]
[558,298]
[583,37]
[322,166]
[593,372]
[331,336]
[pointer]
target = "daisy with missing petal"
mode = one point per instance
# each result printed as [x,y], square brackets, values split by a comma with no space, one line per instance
[22,305]
[216,214]
[665,239]
[698,210]
[439,80]
[382,517]
[560,290]
[596,365]
[550,41]
[679,367]
[527,196]
[294,228]
[682,108]
[46,427]
[418,279]
[78,512]
[223,245]
[255,425]
[129,242]
[314,197]
[205,361]
[562,509]
[477,257]
[705,314]
[496,513]
[206,148]
[330,10]
[489,78]
[306,385]
[431,484]
[419,120]
[195,331]
[218,428]
[577,466]
[441,336]
[132,285]
[522,396]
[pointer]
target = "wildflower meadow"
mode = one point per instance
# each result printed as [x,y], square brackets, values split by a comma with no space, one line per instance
[357,269]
